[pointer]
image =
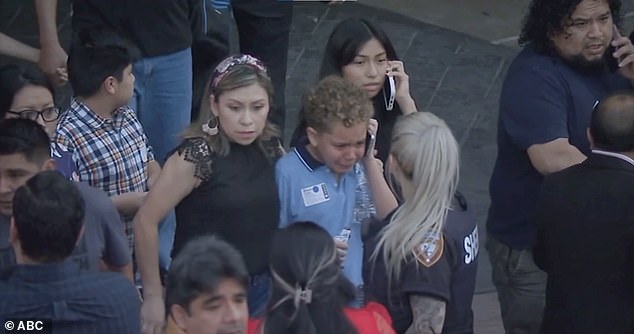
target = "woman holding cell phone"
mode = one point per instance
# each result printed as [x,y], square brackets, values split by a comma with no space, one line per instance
[362,53]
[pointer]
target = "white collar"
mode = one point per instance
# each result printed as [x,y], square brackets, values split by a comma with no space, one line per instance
[616,155]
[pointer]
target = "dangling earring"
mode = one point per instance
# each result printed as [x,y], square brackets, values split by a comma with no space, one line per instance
[211,128]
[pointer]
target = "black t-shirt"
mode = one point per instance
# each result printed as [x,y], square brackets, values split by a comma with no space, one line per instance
[451,278]
[157,27]
[237,201]
[264,8]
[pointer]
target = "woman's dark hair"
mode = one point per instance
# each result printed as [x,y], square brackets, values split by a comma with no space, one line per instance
[343,45]
[13,78]
[303,257]
[546,17]
[346,40]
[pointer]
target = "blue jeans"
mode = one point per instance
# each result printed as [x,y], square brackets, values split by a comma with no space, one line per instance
[162,100]
[258,293]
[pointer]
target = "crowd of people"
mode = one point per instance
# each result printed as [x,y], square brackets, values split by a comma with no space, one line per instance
[119,216]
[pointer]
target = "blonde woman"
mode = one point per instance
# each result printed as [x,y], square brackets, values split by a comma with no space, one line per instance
[421,260]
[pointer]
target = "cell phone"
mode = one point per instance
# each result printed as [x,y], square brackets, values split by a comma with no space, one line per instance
[370,143]
[344,235]
[612,62]
[389,92]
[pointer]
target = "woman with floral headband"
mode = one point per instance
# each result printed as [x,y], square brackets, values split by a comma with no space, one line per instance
[221,181]
[310,292]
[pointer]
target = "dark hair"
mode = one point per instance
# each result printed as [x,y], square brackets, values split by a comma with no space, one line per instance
[24,136]
[344,43]
[303,255]
[346,40]
[95,55]
[13,78]
[612,123]
[48,212]
[199,267]
[546,17]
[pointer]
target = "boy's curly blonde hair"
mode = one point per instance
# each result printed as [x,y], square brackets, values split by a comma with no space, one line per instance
[334,100]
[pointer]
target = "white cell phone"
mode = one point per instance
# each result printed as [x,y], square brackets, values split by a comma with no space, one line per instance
[389,92]
[344,236]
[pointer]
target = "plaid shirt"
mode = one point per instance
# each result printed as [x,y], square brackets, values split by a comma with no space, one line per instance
[110,154]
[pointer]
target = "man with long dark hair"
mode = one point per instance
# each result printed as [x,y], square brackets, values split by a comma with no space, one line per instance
[573,57]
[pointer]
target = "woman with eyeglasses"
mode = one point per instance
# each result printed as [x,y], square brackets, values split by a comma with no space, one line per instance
[25,92]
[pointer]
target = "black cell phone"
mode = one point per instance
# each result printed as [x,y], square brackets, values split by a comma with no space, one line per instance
[613,63]
[389,92]
[370,143]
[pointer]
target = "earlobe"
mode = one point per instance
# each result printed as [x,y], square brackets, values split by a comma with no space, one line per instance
[49,164]
[179,315]
[13,232]
[213,105]
[109,85]
[312,134]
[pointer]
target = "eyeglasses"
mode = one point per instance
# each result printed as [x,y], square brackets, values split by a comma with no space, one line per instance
[48,114]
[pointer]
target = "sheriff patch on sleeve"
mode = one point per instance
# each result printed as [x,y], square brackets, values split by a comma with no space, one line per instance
[430,251]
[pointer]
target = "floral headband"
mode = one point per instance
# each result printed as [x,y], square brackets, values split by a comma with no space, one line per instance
[225,66]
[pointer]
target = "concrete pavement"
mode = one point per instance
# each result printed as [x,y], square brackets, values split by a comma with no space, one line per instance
[456,53]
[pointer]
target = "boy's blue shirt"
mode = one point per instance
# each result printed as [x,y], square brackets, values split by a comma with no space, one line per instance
[310,191]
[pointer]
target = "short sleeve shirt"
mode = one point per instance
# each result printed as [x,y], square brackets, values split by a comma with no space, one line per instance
[451,278]
[103,238]
[110,154]
[543,98]
[310,191]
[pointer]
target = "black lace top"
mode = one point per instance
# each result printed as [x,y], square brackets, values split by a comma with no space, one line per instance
[237,199]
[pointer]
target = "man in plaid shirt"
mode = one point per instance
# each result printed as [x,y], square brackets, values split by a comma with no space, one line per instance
[105,137]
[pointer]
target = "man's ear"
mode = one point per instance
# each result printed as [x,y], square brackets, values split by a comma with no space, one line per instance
[312,136]
[180,315]
[13,234]
[49,164]
[80,234]
[110,85]
[590,138]
[213,105]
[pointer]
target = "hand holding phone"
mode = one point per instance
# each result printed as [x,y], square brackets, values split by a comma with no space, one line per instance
[389,92]
[622,50]
[370,140]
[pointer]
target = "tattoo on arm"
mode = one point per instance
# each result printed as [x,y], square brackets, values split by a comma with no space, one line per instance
[428,315]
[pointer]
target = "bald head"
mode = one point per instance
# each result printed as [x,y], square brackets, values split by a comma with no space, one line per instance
[612,123]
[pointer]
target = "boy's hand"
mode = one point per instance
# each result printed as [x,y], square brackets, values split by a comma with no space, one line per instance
[373,126]
[342,249]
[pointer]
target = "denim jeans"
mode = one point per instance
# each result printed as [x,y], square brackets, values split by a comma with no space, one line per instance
[521,287]
[162,100]
[258,293]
